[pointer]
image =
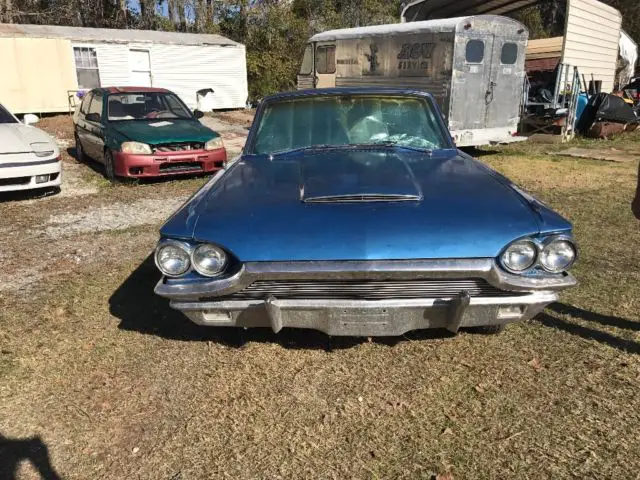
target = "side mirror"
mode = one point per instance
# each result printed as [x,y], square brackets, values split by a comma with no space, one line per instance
[198,114]
[92,117]
[30,119]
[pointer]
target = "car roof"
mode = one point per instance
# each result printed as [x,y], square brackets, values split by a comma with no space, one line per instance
[108,90]
[319,92]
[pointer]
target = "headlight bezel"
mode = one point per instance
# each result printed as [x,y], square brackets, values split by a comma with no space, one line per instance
[190,249]
[216,143]
[136,148]
[173,243]
[540,244]
[534,260]
[545,243]
[198,268]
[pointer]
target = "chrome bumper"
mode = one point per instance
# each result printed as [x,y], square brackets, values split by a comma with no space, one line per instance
[386,317]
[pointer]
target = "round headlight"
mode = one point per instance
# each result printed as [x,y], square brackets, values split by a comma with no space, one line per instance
[519,256]
[208,260]
[172,259]
[557,255]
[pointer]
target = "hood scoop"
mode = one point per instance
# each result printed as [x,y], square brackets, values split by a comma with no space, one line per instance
[357,177]
[361,197]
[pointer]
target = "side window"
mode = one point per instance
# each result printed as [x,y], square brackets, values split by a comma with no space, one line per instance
[86,67]
[509,54]
[84,106]
[475,51]
[307,61]
[326,59]
[96,106]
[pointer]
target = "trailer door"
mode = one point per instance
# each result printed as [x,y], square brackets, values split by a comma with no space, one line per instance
[470,82]
[504,93]
[325,66]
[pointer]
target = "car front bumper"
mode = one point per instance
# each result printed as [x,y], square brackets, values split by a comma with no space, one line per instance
[510,298]
[173,163]
[18,174]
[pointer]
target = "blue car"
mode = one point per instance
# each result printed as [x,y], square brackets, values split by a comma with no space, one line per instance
[350,211]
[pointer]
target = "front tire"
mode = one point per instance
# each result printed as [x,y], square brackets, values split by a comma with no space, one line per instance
[110,167]
[80,155]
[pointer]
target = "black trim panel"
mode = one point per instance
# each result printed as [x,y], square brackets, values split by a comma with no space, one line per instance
[28,164]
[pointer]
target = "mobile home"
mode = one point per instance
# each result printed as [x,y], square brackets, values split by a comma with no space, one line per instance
[43,67]
[473,67]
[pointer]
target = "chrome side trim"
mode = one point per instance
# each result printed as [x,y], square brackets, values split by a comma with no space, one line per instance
[485,268]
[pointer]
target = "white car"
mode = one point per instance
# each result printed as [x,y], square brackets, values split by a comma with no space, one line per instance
[29,158]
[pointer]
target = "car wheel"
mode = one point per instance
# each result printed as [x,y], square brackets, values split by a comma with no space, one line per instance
[80,155]
[109,166]
[488,329]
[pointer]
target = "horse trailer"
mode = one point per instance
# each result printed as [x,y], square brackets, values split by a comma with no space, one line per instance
[473,66]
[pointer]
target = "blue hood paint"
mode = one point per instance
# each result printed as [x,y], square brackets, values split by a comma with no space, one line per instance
[467,210]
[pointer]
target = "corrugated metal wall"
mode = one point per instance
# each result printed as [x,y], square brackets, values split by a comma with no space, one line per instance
[36,74]
[591,40]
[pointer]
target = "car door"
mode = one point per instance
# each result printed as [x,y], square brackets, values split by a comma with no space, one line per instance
[81,127]
[94,127]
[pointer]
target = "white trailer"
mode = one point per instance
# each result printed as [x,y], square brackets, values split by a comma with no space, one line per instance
[44,65]
[473,67]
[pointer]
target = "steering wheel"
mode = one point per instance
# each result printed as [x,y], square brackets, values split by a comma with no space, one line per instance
[153,114]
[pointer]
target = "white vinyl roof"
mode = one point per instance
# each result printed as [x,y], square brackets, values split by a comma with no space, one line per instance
[111,35]
[442,25]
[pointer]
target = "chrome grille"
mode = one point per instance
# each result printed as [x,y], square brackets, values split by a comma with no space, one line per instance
[367,289]
[178,147]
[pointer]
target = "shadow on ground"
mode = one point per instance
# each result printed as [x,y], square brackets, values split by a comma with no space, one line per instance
[141,310]
[606,338]
[14,451]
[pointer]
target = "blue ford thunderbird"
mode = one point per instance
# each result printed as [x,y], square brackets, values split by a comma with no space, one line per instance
[351,211]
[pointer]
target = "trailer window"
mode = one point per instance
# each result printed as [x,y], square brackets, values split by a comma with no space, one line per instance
[475,51]
[326,59]
[307,61]
[509,54]
[86,67]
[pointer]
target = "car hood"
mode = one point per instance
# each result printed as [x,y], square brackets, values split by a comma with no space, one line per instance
[159,131]
[457,208]
[17,138]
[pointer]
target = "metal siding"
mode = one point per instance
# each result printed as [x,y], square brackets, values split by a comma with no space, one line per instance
[186,69]
[591,40]
[113,63]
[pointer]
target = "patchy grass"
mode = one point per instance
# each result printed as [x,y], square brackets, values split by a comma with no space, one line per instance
[117,385]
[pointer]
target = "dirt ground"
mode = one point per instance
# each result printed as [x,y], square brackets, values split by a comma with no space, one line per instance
[100,379]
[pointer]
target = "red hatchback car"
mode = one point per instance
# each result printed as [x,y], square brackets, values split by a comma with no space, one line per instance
[144,132]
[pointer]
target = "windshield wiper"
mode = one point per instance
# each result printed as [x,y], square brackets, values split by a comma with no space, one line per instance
[394,144]
[308,147]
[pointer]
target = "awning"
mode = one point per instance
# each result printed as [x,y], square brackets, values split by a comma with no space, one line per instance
[430,9]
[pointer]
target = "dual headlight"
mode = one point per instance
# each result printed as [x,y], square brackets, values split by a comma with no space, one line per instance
[176,258]
[555,255]
[139,148]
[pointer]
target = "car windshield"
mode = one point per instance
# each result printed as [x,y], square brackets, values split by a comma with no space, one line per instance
[5,116]
[407,121]
[146,106]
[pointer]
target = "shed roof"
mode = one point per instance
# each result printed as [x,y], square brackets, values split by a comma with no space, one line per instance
[440,25]
[112,35]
